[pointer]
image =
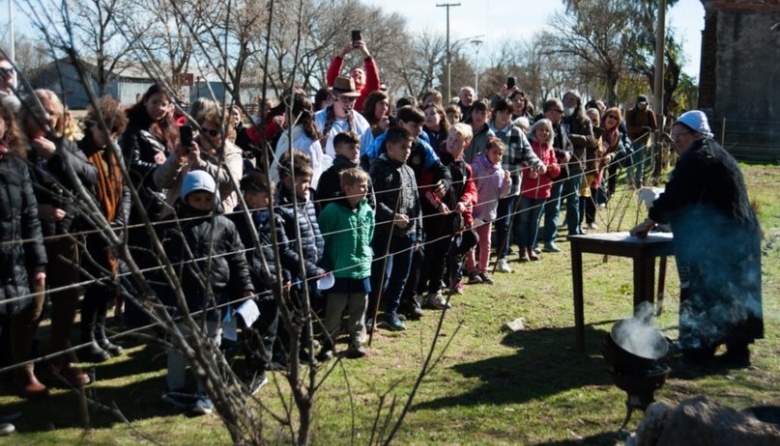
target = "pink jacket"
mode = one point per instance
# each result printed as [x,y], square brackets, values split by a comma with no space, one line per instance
[491,186]
[539,187]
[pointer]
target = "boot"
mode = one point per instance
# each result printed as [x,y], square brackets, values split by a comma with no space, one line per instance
[105,343]
[27,383]
[92,352]
[62,369]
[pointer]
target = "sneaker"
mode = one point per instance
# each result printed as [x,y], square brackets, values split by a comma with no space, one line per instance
[411,308]
[538,250]
[436,301]
[503,266]
[458,287]
[355,350]
[369,323]
[6,429]
[592,226]
[474,279]
[179,398]
[551,247]
[257,382]
[392,322]
[486,279]
[203,404]
[325,354]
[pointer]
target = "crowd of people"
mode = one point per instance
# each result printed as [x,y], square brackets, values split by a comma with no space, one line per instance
[356,196]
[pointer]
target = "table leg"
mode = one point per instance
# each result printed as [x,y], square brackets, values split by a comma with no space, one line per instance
[644,279]
[661,285]
[576,275]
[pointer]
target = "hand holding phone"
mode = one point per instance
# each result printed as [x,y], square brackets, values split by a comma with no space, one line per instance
[356,36]
[185,135]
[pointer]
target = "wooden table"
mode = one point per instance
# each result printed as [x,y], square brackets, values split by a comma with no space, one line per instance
[643,251]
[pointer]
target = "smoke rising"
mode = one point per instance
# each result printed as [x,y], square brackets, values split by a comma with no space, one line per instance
[638,336]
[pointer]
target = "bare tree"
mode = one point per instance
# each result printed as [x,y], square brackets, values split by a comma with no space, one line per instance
[595,31]
[31,54]
[97,33]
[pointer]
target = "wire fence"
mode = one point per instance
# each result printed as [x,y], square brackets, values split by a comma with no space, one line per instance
[645,163]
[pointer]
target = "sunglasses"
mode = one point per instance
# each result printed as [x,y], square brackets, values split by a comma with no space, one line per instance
[6,70]
[211,132]
[610,116]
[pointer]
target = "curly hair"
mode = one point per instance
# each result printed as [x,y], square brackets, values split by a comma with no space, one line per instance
[113,113]
[13,137]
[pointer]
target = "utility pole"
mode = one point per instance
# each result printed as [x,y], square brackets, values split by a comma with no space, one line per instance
[477,43]
[12,42]
[658,87]
[449,53]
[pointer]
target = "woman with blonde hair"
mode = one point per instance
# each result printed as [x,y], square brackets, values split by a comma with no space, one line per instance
[55,162]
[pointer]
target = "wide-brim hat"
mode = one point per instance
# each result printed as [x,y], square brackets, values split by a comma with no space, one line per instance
[345,86]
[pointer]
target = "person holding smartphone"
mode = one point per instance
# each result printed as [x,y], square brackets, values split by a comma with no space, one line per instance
[366,79]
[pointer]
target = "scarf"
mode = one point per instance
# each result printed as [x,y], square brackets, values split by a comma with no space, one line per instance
[108,191]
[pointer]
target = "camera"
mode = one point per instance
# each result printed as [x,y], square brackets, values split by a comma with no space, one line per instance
[356,36]
[511,82]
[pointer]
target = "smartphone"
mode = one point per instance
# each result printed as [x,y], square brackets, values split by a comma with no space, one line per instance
[511,82]
[185,135]
[356,36]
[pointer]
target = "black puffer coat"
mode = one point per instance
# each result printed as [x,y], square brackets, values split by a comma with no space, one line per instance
[311,242]
[198,242]
[53,185]
[18,221]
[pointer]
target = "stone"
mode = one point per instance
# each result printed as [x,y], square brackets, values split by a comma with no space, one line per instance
[516,325]
[702,421]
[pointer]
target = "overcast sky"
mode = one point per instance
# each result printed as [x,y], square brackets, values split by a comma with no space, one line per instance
[499,20]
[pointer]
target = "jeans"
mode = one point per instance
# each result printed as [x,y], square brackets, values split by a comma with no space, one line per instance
[505,211]
[640,158]
[397,266]
[176,377]
[528,226]
[552,210]
[571,193]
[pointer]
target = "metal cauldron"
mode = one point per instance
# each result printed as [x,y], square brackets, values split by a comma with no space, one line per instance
[623,356]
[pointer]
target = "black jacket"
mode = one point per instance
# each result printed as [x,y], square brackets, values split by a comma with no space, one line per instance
[52,184]
[580,132]
[18,221]
[127,198]
[329,186]
[139,148]
[717,238]
[396,192]
[198,242]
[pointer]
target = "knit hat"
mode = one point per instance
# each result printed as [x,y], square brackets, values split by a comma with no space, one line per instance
[697,121]
[197,180]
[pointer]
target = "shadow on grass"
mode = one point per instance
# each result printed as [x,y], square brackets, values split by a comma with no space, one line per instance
[545,364]
[136,397]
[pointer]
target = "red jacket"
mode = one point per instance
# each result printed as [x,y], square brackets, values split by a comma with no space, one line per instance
[539,187]
[372,78]
[462,190]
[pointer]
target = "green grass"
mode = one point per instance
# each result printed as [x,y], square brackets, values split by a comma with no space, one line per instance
[491,387]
